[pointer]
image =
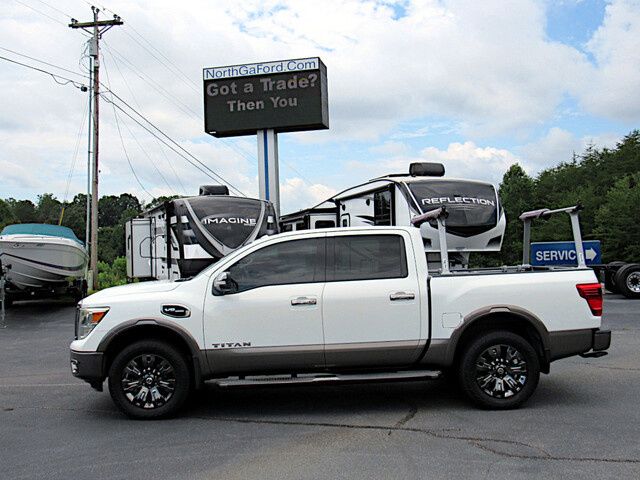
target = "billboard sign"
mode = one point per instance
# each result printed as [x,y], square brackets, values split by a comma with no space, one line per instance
[564,253]
[286,95]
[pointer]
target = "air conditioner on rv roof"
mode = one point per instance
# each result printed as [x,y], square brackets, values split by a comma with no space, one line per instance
[426,169]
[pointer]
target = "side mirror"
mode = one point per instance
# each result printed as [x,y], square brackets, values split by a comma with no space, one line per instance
[223,284]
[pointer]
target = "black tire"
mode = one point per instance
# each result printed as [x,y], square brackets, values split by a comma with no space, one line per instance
[515,366]
[610,276]
[609,282]
[159,366]
[628,280]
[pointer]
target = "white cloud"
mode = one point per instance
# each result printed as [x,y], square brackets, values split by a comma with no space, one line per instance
[461,160]
[297,194]
[557,146]
[391,148]
[611,89]
[468,160]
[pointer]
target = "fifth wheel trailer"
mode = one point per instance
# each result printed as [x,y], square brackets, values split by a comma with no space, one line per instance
[476,221]
[183,236]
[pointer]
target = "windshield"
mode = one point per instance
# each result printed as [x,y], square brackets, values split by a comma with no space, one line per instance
[468,203]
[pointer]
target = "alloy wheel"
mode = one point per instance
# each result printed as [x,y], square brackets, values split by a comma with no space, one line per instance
[148,381]
[633,282]
[501,371]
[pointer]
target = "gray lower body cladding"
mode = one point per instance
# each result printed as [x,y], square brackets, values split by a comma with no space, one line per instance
[225,361]
[559,345]
[89,366]
[574,342]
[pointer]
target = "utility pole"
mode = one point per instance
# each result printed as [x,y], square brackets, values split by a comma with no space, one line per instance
[97,28]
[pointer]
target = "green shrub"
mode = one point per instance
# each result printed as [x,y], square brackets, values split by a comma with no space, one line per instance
[111,275]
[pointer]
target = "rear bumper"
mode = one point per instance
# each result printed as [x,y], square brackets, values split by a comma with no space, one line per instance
[578,342]
[89,366]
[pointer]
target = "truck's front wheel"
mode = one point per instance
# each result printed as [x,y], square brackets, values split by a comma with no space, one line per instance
[149,379]
[499,370]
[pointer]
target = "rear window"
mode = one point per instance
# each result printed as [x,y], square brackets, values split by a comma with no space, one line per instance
[366,257]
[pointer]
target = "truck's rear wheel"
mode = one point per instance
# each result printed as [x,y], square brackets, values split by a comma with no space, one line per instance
[149,379]
[628,280]
[499,370]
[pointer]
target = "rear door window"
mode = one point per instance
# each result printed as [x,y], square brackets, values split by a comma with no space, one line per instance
[366,257]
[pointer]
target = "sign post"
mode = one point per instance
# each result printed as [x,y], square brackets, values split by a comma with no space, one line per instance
[269,188]
[266,99]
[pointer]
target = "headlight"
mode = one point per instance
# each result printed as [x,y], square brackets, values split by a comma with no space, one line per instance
[88,318]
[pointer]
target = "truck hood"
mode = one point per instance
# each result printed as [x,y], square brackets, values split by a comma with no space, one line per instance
[107,294]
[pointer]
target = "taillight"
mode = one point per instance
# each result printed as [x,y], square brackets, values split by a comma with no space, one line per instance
[592,293]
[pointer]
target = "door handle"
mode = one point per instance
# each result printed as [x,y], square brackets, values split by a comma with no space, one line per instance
[304,301]
[402,296]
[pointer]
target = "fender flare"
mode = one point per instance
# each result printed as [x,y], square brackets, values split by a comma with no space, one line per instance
[443,352]
[200,364]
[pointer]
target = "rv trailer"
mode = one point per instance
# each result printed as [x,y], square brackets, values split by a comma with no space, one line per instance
[476,220]
[181,237]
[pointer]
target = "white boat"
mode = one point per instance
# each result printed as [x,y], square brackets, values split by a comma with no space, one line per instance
[41,256]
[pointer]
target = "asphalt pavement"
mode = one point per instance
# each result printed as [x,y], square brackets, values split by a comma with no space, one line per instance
[582,422]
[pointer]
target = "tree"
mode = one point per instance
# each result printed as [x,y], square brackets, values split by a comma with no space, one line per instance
[6,216]
[48,209]
[75,215]
[618,221]
[23,211]
[160,200]
[516,195]
[111,208]
[111,243]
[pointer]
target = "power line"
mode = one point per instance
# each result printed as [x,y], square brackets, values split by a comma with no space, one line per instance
[54,8]
[55,76]
[75,154]
[134,137]
[156,86]
[140,108]
[217,176]
[43,62]
[173,70]
[39,12]
[171,139]
[112,51]
[167,136]
[199,164]
[150,44]
[126,154]
[182,106]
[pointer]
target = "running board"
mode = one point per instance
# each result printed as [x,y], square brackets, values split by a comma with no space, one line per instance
[328,378]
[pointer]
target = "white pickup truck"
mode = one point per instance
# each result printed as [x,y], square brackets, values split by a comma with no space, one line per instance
[334,305]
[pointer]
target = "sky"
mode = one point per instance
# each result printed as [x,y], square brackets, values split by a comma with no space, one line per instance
[477,86]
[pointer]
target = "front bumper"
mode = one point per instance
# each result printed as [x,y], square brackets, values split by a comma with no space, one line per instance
[89,366]
[590,342]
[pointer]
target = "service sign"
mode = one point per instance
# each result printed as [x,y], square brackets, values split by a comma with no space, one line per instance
[564,253]
[286,95]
